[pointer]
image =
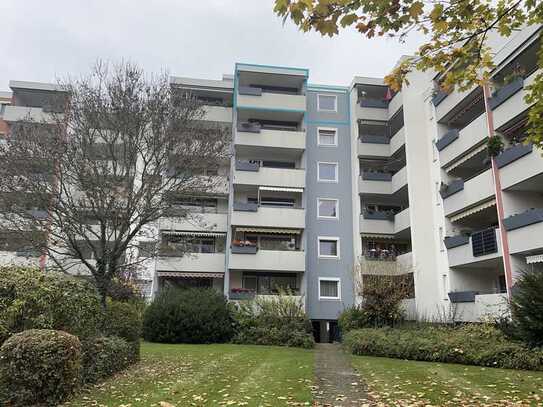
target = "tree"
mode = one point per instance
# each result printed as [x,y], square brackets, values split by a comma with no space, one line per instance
[455,33]
[114,150]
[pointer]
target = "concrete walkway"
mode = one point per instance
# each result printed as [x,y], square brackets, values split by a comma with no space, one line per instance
[336,382]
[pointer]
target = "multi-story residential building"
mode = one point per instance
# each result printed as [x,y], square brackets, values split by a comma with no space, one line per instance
[326,179]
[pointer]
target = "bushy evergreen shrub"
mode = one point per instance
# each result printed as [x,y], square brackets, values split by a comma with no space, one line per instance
[353,318]
[471,344]
[194,315]
[39,368]
[123,319]
[527,307]
[32,299]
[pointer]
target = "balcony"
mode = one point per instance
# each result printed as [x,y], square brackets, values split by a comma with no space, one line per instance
[251,97]
[373,182]
[451,101]
[380,146]
[468,138]
[385,223]
[462,195]
[255,137]
[447,139]
[269,217]
[200,262]
[472,306]
[374,103]
[30,114]
[521,168]
[212,222]
[269,260]
[221,114]
[474,250]
[504,93]
[513,102]
[439,96]
[371,112]
[525,231]
[252,174]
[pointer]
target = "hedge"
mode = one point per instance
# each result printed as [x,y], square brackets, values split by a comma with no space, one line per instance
[31,299]
[39,367]
[195,315]
[473,344]
[104,356]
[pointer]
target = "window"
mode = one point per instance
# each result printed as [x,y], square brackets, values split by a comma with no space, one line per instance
[327,172]
[270,283]
[327,103]
[327,208]
[329,247]
[329,289]
[327,137]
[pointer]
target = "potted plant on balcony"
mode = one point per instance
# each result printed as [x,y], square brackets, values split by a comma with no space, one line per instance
[494,145]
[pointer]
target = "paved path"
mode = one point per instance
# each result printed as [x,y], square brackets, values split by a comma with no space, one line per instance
[336,383]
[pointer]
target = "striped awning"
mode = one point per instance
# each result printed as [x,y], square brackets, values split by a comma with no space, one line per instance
[182,274]
[537,258]
[281,189]
[471,211]
[466,157]
[269,230]
[193,233]
[376,236]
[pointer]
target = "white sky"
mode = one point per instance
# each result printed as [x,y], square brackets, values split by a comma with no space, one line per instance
[46,39]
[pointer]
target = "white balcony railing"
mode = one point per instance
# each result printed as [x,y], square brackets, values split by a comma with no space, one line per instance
[201,262]
[270,217]
[273,101]
[476,190]
[266,176]
[270,260]
[272,138]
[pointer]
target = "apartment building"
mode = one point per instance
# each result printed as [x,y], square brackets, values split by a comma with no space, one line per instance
[324,179]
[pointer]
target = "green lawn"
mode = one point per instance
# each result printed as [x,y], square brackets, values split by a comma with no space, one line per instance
[392,380]
[208,375]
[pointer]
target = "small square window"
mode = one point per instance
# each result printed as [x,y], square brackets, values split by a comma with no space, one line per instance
[327,172]
[327,103]
[327,208]
[329,247]
[327,137]
[329,289]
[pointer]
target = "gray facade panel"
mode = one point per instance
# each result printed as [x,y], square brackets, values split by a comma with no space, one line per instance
[342,227]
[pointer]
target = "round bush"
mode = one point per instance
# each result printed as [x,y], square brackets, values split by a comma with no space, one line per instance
[195,315]
[39,367]
[31,299]
[104,356]
[527,307]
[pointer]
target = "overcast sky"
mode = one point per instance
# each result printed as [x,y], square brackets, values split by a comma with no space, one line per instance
[46,39]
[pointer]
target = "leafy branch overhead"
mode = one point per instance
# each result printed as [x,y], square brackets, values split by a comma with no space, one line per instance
[455,32]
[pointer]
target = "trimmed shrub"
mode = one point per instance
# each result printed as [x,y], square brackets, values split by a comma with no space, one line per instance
[473,344]
[279,321]
[123,319]
[352,318]
[104,356]
[123,290]
[527,307]
[39,367]
[194,315]
[31,299]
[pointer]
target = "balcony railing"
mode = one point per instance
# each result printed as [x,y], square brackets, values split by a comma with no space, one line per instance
[378,215]
[504,93]
[513,154]
[484,242]
[456,241]
[374,139]
[529,217]
[439,97]
[250,91]
[249,127]
[447,139]
[375,103]
[454,187]
[376,176]
[246,206]
[241,294]
[462,296]
[247,166]
[244,249]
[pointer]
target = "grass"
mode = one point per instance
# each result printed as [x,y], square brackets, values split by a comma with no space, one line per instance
[402,382]
[208,375]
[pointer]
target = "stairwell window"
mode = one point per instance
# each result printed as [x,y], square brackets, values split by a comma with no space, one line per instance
[327,208]
[327,172]
[329,288]
[328,247]
[327,137]
[327,103]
